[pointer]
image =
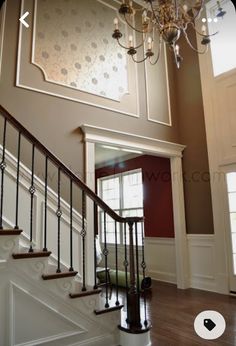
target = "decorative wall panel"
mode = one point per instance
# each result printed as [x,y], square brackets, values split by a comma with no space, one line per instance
[28,312]
[56,59]
[68,52]
[158,98]
[73,48]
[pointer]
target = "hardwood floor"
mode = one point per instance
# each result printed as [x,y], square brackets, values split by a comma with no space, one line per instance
[173,311]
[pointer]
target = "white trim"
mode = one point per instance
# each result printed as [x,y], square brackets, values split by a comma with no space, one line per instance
[43,340]
[2,31]
[130,339]
[201,249]
[160,240]
[160,259]
[60,95]
[167,89]
[93,135]
[90,182]
[158,275]
[105,339]
[182,258]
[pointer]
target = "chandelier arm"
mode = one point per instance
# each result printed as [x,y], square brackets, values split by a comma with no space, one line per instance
[176,10]
[198,12]
[121,45]
[158,54]
[193,48]
[154,14]
[132,27]
[139,61]
[200,34]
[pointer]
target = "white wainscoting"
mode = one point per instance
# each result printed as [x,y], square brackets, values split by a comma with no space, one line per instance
[160,259]
[38,222]
[202,271]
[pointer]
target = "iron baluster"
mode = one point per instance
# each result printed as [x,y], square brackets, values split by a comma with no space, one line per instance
[17,180]
[116,256]
[95,221]
[105,253]
[143,265]
[126,263]
[83,234]
[45,204]
[71,226]
[32,192]
[137,256]
[59,214]
[2,167]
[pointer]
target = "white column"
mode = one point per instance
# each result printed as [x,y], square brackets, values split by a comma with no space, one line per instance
[90,181]
[181,248]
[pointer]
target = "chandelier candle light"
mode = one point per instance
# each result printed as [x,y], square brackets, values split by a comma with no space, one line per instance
[163,20]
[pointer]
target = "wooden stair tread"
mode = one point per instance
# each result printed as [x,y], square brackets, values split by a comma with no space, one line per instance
[10,231]
[58,275]
[110,309]
[34,254]
[84,293]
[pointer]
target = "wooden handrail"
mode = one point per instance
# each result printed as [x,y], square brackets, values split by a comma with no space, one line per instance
[66,170]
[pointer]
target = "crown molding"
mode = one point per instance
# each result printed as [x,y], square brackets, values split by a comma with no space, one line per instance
[128,140]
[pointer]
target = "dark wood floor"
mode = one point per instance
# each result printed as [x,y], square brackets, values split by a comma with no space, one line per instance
[173,311]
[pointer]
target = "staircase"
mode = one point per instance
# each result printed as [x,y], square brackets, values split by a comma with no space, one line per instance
[49,289]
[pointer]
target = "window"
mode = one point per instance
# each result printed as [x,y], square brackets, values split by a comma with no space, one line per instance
[223,44]
[124,194]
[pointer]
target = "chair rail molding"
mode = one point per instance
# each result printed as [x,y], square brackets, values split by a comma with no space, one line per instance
[151,146]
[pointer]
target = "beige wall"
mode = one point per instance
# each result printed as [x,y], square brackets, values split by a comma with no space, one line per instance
[192,133]
[55,121]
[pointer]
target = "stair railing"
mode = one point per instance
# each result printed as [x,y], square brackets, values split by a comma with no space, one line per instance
[136,320]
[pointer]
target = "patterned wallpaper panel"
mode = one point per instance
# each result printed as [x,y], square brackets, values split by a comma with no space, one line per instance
[73,46]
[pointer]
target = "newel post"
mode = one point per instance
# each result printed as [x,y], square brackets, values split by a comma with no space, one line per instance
[133,332]
[133,296]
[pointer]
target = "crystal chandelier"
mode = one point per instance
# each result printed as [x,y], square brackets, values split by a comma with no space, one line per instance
[162,21]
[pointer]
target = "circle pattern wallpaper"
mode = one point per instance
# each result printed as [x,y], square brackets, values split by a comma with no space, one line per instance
[74,47]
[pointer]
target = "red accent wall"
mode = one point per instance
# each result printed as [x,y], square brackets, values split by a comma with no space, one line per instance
[158,208]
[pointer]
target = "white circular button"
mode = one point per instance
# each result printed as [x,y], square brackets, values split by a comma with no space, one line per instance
[209,325]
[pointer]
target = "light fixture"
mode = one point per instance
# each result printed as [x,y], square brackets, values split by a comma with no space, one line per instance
[164,20]
[132,151]
[122,149]
[110,147]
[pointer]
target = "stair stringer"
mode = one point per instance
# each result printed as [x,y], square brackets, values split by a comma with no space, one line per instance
[88,329]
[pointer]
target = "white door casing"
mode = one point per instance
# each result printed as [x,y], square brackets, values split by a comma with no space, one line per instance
[151,146]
